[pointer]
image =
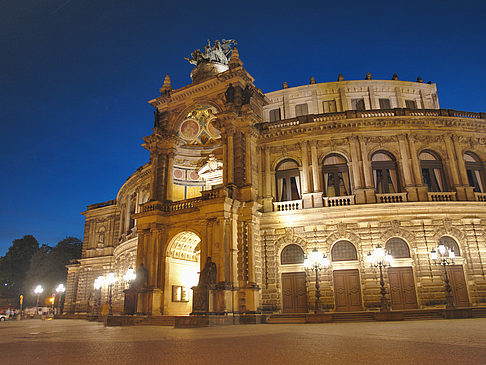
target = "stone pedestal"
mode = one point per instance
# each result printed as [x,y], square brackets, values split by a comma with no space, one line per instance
[461,193]
[469,190]
[149,301]
[412,193]
[249,300]
[268,204]
[200,300]
[422,193]
[130,302]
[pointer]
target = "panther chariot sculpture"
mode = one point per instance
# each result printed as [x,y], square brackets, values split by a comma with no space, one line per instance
[212,61]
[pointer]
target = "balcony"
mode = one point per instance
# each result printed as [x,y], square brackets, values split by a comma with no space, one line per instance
[480,197]
[287,206]
[441,196]
[391,198]
[338,201]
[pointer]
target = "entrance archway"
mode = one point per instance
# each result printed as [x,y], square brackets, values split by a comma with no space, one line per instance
[182,272]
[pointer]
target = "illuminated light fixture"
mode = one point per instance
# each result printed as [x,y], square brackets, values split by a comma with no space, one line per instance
[130,275]
[381,259]
[444,256]
[316,262]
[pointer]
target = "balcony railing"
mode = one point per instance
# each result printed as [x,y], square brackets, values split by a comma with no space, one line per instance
[391,198]
[441,196]
[376,113]
[480,197]
[287,205]
[338,201]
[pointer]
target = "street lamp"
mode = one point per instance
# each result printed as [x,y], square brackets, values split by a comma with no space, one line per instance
[380,258]
[316,262]
[129,275]
[98,283]
[38,291]
[60,290]
[110,280]
[445,256]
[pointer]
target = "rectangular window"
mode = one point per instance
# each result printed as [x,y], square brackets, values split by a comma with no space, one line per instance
[358,104]
[274,115]
[410,104]
[301,109]
[329,106]
[385,104]
[179,293]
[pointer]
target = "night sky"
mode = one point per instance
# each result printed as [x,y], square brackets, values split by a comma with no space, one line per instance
[75,78]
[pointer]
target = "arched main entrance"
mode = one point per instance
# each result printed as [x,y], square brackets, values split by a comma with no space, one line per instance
[182,273]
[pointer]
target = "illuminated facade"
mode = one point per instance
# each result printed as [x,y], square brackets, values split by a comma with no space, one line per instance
[256,181]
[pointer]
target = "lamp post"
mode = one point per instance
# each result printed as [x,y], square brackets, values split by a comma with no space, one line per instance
[110,280]
[445,256]
[316,262]
[38,291]
[60,290]
[129,275]
[381,259]
[98,283]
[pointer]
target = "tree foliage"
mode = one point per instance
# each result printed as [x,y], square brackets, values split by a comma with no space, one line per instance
[26,265]
[48,265]
[15,264]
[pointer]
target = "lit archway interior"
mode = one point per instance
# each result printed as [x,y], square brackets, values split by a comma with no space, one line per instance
[182,273]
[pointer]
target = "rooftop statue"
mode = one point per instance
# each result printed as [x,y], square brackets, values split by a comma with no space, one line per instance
[218,53]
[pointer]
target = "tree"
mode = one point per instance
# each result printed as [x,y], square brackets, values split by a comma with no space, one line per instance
[48,265]
[15,264]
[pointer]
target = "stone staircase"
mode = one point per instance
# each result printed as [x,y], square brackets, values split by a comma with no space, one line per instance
[410,315]
[353,317]
[286,318]
[479,312]
[157,321]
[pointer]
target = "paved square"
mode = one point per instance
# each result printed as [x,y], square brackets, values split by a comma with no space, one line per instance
[82,342]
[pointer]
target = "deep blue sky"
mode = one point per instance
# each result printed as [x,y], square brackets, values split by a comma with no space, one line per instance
[75,77]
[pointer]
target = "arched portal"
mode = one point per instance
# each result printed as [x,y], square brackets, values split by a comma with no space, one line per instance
[182,273]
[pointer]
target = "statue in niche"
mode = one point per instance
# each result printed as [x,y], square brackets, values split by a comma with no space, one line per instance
[230,94]
[247,94]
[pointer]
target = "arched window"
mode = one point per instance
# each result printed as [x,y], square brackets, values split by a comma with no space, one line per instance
[451,244]
[343,251]
[336,176]
[385,173]
[398,248]
[475,172]
[288,180]
[292,254]
[432,171]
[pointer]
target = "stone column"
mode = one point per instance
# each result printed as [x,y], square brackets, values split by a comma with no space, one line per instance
[369,187]
[305,168]
[356,171]
[316,176]
[373,99]
[417,171]
[267,197]
[452,160]
[407,171]
[154,183]
[469,190]
[230,154]
[170,173]
[454,168]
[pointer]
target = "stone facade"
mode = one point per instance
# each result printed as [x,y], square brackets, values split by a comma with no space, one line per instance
[340,166]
